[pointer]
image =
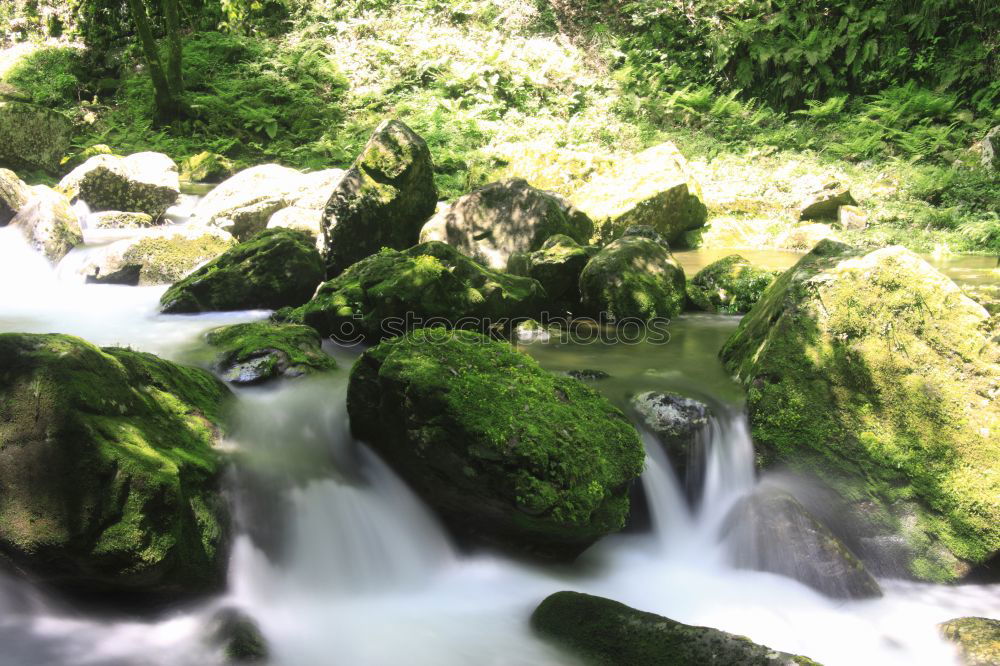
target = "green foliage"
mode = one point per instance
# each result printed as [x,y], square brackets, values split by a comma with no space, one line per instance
[52,77]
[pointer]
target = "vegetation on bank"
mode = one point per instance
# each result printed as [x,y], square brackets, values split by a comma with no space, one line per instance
[765,98]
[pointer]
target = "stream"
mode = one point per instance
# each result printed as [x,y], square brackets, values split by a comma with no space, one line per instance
[342,565]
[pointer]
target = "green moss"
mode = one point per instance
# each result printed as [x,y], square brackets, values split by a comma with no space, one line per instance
[730,285]
[531,461]
[272,349]
[167,259]
[978,639]
[557,267]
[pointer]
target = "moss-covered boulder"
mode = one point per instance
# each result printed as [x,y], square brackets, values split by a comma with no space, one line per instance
[14,193]
[508,454]
[108,476]
[731,285]
[771,531]
[557,266]
[274,269]
[163,256]
[391,291]
[977,638]
[605,632]
[143,182]
[255,352]
[502,218]
[875,374]
[33,137]
[383,200]
[117,219]
[239,636]
[49,223]
[652,188]
[207,167]
[633,277]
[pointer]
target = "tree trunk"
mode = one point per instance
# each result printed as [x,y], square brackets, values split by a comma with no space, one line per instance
[167,107]
[174,76]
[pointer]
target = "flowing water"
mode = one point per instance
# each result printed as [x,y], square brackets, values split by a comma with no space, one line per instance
[341,564]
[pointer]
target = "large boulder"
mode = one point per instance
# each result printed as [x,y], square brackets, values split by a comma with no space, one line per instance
[392,291]
[652,188]
[557,266]
[14,193]
[977,638]
[274,269]
[49,223]
[875,374]
[33,137]
[244,203]
[771,531]
[163,256]
[731,285]
[634,276]
[383,200]
[109,479]
[255,352]
[507,453]
[678,423]
[605,632]
[143,182]
[502,218]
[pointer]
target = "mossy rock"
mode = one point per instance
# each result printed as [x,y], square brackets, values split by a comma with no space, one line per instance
[557,266]
[207,167]
[240,637]
[274,269]
[607,633]
[503,218]
[978,639]
[731,285]
[385,294]
[874,373]
[633,277]
[14,193]
[161,257]
[109,480]
[255,352]
[117,219]
[33,137]
[143,182]
[383,200]
[49,223]
[507,453]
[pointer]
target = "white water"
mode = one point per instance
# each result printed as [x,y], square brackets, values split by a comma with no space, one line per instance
[358,572]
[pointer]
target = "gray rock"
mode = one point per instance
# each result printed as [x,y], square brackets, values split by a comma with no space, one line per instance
[823,205]
[143,182]
[677,422]
[49,223]
[14,194]
[991,149]
[33,137]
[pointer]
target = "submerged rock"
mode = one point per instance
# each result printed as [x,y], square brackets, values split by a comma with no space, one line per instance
[772,531]
[502,218]
[390,292]
[49,223]
[508,454]
[978,639]
[874,373]
[652,188]
[33,137]
[143,182]
[239,636]
[677,423]
[274,269]
[109,478]
[255,352]
[633,277]
[557,267]
[383,200]
[606,632]
[731,285]
[14,193]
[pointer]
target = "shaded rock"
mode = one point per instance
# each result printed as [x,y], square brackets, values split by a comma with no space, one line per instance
[503,218]
[49,223]
[207,167]
[163,256]
[508,454]
[851,217]
[116,219]
[677,422]
[33,137]
[633,277]
[991,149]
[646,231]
[383,200]
[823,205]
[603,631]
[731,285]
[978,639]
[14,194]
[255,352]
[390,292]
[109,478]
[143,182]
[652,188]
[557,267]
[772,531]
[588,375]
[274,269]
[239,636]
[871,373]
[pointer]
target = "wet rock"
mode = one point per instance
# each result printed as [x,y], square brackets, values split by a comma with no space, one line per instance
[588,375]
[772,531]
[207,167]
[978,639]
[823,204]
[239,636]
[677,422]
[14,193]
[49,223]
[116,219]
[382,201]
[274,269]
[731,285]
[509,455]
[557,267]
[633,277]
[258,351]
[504,218]
[33,137]
[605,632]
[109,479]
[143,182]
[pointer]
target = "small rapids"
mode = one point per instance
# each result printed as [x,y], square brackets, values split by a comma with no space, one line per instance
[340,563]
